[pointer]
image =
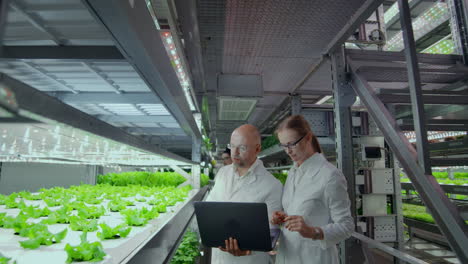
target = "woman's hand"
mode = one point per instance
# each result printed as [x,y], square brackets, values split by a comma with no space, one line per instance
[296,223]
[232,247]
[278,217]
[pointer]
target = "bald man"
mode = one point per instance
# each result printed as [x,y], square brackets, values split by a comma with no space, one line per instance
[245,180]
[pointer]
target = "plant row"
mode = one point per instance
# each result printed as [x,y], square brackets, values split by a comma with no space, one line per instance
[81,207]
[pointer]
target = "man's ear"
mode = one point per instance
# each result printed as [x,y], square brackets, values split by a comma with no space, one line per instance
[259,148]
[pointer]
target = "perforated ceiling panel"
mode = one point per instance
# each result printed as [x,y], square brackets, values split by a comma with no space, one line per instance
[68,22]
[278,39]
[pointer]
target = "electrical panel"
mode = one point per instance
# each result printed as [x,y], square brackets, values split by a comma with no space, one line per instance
[378,181]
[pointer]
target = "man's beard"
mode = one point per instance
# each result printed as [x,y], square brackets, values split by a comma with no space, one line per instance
[241,163]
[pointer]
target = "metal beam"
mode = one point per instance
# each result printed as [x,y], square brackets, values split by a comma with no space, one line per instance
[132,28]
[344,99]
[35,21]
[301,92]
[137,118]
[407,258]
[433,111]
[107,98]
[437,124]
[359,17]
[428,99]
[385,91]
[66,53]
[101,76]
[449,162]
[395,19]
[39,103]
[387,56]
[3,22]
[443,211]
[44,74]
[437,127]
[414,81]
[159,131]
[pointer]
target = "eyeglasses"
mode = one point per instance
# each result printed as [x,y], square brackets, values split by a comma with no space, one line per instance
[242,148]
[292,145]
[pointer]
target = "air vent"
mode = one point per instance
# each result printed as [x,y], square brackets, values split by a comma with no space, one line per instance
[233,108]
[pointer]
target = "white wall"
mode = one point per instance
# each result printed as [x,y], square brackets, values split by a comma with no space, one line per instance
[18,176]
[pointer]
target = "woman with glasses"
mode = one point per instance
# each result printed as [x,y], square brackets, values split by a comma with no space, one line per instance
[316,206]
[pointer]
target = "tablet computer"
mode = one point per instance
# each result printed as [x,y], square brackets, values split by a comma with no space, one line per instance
[246,222]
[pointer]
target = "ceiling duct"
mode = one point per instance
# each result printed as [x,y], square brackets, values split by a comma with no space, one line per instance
[237,95]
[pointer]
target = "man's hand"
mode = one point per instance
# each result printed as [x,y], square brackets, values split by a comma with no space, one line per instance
[232,247]
[296,223]
[278,217]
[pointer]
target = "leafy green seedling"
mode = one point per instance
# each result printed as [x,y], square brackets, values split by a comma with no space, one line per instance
[85,251]
[108,232]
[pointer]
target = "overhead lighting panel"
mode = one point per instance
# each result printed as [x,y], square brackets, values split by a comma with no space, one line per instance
[174,56]
[178,67]
[429,20]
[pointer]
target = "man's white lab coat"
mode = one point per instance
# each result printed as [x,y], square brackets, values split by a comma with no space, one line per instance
[317,191]
[257,185]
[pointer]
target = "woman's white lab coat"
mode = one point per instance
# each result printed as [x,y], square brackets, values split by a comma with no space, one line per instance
[257,185]
[317,191]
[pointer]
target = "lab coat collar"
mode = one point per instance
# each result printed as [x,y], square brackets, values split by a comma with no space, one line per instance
[312,164]
[252,172]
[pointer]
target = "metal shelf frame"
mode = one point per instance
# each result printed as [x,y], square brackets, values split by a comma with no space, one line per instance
[132,29]
[45,108]
[415,163]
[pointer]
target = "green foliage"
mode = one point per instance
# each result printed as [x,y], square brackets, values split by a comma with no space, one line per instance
[269,142]
[82,224]
[53,202]
[10,201]
[204,179]
[2,199]
[440,175]
[417,212]
[281,177]
[85,251]
[152,179]
[117,205]
[35,211]
[91,212]
[443,181]
[188,249]
[59,216]
[108,232]
[461,175]
[5,260]
[38,235]
[17,223]
[29,196]
[139,217]
[84,217]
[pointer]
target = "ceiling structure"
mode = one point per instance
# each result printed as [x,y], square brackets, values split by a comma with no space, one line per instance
[73,51]
[279,40]
[58,47]
[283,42]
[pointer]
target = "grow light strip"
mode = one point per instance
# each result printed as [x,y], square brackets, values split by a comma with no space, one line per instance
[426,22]
[173,54]
[178,67]
[434,135]
[443,46]
[392,12]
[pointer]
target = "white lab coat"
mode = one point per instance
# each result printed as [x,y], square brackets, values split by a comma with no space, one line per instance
[257,185]
[317,191]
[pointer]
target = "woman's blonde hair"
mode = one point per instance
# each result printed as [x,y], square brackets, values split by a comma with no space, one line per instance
[302,128]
